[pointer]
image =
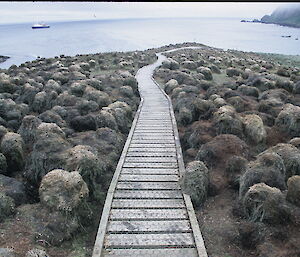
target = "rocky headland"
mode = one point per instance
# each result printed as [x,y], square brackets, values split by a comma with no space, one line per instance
[287,15]
[238,116]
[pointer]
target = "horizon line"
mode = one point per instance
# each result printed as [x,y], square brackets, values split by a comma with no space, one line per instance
[119,19]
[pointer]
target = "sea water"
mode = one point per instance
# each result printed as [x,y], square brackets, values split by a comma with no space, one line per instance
[22,43]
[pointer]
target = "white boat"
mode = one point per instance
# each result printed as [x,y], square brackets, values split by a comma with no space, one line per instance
[40,26]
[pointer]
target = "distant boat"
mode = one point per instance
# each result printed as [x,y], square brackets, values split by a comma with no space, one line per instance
[40,26]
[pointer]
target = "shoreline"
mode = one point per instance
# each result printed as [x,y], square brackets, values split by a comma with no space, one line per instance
[274,23]
[284,59]
[281,24]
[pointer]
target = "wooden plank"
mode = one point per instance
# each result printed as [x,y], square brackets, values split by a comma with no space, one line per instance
[150,159]
[142,145]
[155,122]
[148,194]
[147,171]
[137,185]
[148,203]
[150,136]
[155,111]
[156,119]
[140,240]
[152,141]
[153,178]
[147,214]
[154,132]
[166,252]
[150,154]
[149,165]
[149,226]
[151,125]
[157,128]
[154,127]
[151,149]
[155,114]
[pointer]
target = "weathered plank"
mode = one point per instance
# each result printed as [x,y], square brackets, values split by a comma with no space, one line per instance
[149,226]
[165,252]
[156,119]
[148,194]
[154,125]
[155,122]
[149,171]
[153,178]
[151,125]
[148,214]
[154,132]
[149,165]
[148,203]
[151,159]
[153,142]
[151,149]
[150,154]
[137,185]
[150,136]
[143,145]
[139,240]
[153,139]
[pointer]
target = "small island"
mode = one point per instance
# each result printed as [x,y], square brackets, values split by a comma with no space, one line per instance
[287,15]
[3,58]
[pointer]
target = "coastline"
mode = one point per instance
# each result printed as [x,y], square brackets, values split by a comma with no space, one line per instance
[274,23]
[282,24]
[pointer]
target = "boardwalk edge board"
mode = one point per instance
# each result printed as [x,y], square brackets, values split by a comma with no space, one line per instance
[99,242]
[111,241]
[190,209]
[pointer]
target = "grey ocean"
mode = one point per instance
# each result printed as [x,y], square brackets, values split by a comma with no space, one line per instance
[22,43]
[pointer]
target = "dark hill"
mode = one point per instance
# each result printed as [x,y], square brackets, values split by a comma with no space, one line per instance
[287,15]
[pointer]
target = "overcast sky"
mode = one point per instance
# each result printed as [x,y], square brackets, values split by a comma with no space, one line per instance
[16,12]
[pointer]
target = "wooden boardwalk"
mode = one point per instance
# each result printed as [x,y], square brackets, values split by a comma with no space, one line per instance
[146,213]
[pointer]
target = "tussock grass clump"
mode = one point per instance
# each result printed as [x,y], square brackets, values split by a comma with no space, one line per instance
[195,182]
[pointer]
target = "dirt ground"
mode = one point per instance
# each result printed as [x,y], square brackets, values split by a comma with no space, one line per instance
[227,235]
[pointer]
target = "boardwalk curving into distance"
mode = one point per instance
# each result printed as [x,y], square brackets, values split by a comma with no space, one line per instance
[145,212]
